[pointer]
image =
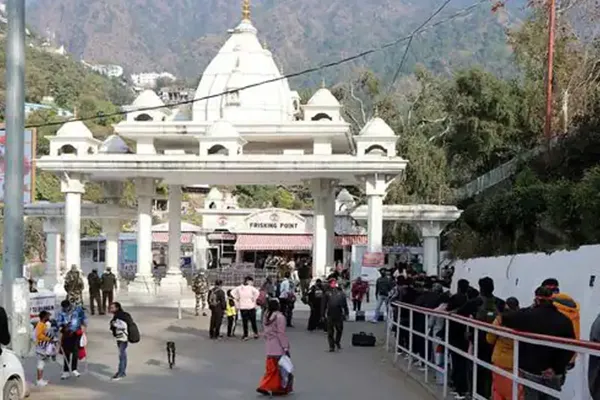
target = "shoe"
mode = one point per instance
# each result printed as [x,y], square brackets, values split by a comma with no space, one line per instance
[332,350]
[204,314]
[75,373]
[197,314]
[459,397]
[245,338]
[116,377]
[65,375]
[256,336]
[41,383]
[339,347]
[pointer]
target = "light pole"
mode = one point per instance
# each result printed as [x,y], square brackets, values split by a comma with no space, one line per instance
[15,292]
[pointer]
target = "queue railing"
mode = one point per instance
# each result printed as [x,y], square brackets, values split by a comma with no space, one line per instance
[427,358]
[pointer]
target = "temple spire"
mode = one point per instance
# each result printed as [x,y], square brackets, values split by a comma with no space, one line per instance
[246,10]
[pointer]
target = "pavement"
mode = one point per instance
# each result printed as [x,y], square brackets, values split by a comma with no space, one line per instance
[224,369]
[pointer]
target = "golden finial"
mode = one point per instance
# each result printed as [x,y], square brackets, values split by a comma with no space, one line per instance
[75,112]
[376,111]
[246,10]
[265,45]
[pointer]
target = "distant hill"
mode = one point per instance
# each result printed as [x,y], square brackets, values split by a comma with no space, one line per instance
[181,36]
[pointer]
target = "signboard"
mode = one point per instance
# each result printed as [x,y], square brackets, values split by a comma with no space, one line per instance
[275,220]
[41,301]
[28,164]
[373,259]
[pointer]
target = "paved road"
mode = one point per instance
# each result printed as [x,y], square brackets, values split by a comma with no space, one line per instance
[228,369]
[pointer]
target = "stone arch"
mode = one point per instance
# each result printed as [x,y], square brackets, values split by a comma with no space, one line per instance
[321,116]
[376,148]
[218,149]
[143,117]
[67,149]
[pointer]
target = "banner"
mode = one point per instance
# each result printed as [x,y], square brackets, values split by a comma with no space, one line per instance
[28,164]
[41,301]
[373,259]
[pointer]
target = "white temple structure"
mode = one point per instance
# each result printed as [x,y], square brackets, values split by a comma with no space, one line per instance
[255,136]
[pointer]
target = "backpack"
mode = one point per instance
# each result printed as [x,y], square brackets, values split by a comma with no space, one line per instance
[488,310]
[262,298]
[213,299]
[133,332]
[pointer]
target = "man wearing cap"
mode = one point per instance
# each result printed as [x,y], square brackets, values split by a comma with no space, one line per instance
[109,285]
[94,285]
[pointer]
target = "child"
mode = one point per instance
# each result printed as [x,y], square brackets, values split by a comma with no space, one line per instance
[231,314]
[45,345]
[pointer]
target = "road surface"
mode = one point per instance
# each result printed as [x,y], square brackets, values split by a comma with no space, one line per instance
[226,369]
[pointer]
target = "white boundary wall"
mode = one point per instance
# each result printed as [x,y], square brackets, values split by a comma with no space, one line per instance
[519,275]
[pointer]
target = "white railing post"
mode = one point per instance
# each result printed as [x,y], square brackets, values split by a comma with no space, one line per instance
[446,356]
[515,371]
[410,338]
[475,365]
[397,349]
[426,340]
[388,328]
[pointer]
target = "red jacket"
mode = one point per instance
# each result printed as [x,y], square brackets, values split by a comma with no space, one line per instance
[359,289]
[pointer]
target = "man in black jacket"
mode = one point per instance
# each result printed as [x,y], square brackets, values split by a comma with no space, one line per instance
[335,308]
[217,303]
[541,364]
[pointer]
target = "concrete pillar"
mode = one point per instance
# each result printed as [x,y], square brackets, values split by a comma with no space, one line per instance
[73,187]
[376,190]
[323,221]
[174,263]
[329,211]
[143,279]
[430,232]
[200,249]
[112,228]
[52,274]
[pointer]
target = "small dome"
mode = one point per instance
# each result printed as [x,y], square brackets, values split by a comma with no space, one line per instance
[214,194]
[222,129]
[148,99]
[114,145]
[376,127]
[344,197]
[323,98]
[75,129]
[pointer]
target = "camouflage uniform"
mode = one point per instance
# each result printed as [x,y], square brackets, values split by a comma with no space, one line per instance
[200,289]
[74,287]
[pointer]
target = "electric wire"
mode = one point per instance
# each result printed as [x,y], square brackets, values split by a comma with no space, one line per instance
[423,27]
[412,36]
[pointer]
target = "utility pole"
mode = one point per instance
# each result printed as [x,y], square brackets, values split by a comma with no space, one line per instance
[14,288]
[549,74]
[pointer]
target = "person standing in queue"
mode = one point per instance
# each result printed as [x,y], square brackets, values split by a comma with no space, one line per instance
[94,286]
[217,302]
[335,309]
[72,322]
[74,286]
[315,301]
[109,285]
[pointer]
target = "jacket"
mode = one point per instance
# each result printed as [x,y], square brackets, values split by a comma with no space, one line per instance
[245,297]
[119,325]
[230,310]
[543,319]
[335,305]
[276,340]
[383,286]
[503,348]
[359,290]
[109,282]
[594,363]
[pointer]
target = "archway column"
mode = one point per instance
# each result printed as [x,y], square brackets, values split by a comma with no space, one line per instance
[111,228]
[143,281]
[323,225]
[430,232]
[73,187]
[52,274]
[173,280]
[376,189]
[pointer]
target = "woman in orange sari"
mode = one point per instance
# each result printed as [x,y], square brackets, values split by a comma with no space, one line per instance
[273,383]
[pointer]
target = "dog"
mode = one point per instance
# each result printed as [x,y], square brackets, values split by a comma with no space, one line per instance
[171,354]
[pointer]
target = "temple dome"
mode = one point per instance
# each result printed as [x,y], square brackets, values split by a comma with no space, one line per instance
[148,98]
[222,129]
[377,127]
[243,57]
[323,98]
[74,129]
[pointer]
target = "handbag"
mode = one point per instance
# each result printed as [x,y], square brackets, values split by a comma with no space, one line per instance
[285,363]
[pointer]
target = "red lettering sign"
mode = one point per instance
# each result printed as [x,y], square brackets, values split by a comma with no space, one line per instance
[373,259]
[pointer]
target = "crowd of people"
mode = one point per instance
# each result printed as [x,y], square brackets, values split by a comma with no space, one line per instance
[551,313]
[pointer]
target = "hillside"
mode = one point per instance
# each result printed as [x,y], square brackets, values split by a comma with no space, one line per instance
[182,35]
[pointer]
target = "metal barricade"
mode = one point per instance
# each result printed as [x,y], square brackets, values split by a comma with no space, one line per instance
[580,347]
[234,276]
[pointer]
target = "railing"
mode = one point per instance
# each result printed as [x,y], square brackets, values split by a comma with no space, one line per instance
[394,327]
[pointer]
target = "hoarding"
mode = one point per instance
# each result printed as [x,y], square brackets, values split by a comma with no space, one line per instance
[28,165]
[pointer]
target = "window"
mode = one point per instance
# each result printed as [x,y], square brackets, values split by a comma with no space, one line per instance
[99,255]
